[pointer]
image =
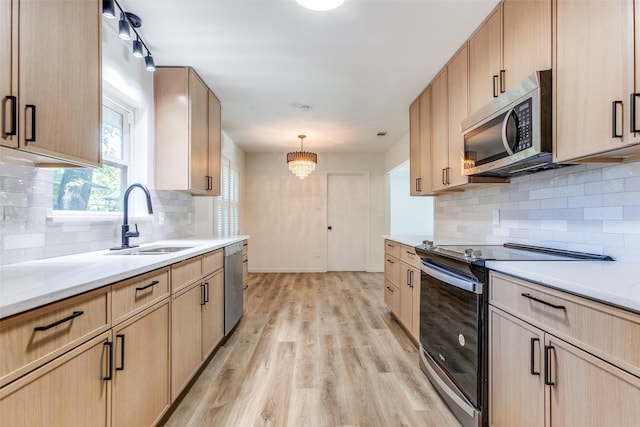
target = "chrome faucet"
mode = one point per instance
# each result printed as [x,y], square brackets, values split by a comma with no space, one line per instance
[126,234]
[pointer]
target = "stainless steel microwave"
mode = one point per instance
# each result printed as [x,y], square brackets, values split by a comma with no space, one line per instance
[512,134]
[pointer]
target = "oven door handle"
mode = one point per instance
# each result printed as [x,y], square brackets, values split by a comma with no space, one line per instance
[443,275]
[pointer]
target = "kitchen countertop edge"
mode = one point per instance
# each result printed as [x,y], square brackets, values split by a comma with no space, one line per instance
[32,284]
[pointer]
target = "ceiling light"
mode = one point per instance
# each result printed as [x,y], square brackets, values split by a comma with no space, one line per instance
[302,163]
[137,48]
[320,5]
[109,9]
[148,62]
[124,30]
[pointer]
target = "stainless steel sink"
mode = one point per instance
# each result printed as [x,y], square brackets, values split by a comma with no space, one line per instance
[158,250]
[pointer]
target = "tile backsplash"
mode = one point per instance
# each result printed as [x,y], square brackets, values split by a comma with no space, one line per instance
[28,230]
[588,208]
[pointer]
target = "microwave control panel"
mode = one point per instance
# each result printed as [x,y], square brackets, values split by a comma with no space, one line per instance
[523,123]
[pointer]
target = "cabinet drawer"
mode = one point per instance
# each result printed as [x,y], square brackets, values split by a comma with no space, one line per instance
[185,273]
[212,261]
[610,333]
[134,295]
[408,255]
[392,297]
[30,339]
[392,248]
[392,269]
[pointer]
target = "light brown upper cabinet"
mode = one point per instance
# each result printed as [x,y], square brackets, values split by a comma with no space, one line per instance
[420,144]
[51,86]
[593,80]
[215,144]
[512,43]
[448,108]
[183,132]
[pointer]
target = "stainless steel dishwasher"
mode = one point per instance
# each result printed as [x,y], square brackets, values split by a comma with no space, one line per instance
[232,286]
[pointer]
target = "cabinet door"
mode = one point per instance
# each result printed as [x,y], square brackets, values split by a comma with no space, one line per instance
[68,391]
[8,76]
[212,312]
[589,392]
[457,72]
[425,141]
[593,68]
[141,374]
[199,134]
[516,383]
[60,81]
[186,351]
[484,61]
[414,278]
[415,170]
[392,297]
[406,296]
[526,42]
[215,144]
[439,131]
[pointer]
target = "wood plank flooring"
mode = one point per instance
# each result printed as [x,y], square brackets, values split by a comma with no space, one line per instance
[314,349]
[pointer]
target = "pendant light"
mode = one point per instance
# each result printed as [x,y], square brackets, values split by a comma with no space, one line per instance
[302,163]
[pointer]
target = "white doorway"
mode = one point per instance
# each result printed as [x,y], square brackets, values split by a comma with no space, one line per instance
[347,221]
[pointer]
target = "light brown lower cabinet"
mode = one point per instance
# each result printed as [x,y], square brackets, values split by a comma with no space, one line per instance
[69,391]
[212,312]
[537,379]
[402,285]
[140,393]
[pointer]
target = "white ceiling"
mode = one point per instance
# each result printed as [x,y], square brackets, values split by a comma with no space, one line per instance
[358,67]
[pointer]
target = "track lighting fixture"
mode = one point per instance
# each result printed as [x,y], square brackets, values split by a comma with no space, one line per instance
[129,21]
[137,48]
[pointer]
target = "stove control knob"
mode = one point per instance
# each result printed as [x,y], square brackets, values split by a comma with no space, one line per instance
[428,243]
[468,252]
[476,254]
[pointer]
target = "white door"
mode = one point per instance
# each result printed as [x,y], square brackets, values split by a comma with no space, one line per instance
[347,221]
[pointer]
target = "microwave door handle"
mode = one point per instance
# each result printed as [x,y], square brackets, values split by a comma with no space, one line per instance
[505,123]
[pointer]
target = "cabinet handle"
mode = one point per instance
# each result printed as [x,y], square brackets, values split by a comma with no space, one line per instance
[632,102]
[155,282]
[444,176]
[59,322]
[495,85]
[533,356]
[206,292]
[418,185]
[121,367]
[448,175]
[411,279]
[202,297]
[14,115]
[531,297]
[391,246]
[245,287]
[547,365]
[408,278]
[389,261]
[33,122]
[209,182]
[109,376]
[390,290]
[502,85]
[614,119]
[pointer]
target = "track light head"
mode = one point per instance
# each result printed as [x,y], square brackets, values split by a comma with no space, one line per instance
[124,30]
[148,62]
[109,9]
[137,48]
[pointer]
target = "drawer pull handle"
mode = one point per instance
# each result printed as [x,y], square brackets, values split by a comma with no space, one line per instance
[390,290]
[59,322]
[245,287]
[109,376]
[531,297]
[533,356]
[121,367]
[547,365]
[390,261]
[155,282]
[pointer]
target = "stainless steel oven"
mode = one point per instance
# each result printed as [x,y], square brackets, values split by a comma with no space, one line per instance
[452,313]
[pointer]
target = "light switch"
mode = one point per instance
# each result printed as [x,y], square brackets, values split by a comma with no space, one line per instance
[496,217]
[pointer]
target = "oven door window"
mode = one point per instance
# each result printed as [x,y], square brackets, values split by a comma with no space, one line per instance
[449,332]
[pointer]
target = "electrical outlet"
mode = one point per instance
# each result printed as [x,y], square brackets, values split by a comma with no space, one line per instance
[160,218]
[496,217]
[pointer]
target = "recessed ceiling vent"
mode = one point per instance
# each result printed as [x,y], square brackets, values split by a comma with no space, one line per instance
[381,133]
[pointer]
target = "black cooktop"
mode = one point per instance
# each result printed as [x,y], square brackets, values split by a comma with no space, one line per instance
[506,252]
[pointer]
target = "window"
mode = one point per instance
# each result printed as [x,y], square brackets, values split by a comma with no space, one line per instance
[227,204]
[99,189]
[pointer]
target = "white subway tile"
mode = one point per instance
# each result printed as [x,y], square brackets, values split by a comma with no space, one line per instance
[545,193]
[22,241]
[621,227]
[605,213]
[553,225]
[593,201]
[609,186]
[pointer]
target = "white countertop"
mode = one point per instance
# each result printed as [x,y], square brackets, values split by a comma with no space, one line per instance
[611,282]
[31,284]
[408,240]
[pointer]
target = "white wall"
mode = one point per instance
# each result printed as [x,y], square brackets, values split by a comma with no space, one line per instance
[408,215]
[286,216]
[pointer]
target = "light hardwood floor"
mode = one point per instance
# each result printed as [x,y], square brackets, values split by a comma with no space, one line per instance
[314,349]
